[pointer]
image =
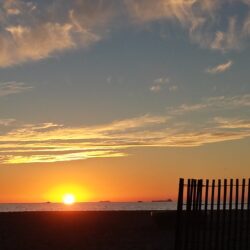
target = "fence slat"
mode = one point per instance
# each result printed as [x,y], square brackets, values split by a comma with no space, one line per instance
[200,195]
[229,232]
[211,219]
[241,222]
[212,195]
[225,195]
[236,214]
[217,228]
[179,215]
[198,216]
[180,195]
[243,194]
[237,194]
[248,198]
[248,215]
[206,195]
[231,195]
[219,194]
[194,194]
[188,202]
[223,231]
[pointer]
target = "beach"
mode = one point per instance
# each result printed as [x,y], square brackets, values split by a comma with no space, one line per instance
[118,230]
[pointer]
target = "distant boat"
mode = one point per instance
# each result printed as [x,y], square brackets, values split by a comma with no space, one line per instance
[139,201]
[167,200]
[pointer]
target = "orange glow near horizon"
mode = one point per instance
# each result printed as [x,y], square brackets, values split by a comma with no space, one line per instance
[147,174]
[67,194]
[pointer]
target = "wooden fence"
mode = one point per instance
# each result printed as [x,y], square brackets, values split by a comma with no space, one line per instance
[213,215]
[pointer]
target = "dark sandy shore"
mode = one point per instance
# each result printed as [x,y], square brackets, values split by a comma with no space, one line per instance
[83,230]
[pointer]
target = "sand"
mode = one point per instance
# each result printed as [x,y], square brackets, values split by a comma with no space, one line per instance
[83,230]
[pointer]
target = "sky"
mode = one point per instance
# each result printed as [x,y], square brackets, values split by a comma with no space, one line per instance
[117,99]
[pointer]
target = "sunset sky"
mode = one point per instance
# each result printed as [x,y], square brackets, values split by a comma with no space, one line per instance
[117,99]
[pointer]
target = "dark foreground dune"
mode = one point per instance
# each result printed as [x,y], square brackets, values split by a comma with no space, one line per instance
[83,230]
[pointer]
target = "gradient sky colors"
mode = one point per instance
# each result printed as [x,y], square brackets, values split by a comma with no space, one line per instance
[115,100]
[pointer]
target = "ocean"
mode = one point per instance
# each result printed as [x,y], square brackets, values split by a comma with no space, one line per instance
[88,206]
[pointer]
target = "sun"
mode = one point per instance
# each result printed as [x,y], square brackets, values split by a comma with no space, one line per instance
[68,199]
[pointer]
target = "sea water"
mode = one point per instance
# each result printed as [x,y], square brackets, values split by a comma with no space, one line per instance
[88,206]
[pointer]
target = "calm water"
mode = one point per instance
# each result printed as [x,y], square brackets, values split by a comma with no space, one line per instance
[89,206]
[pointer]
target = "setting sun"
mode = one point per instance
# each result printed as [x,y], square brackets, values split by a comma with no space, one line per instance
[68,199]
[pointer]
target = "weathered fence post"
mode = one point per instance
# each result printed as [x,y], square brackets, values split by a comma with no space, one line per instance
[217,228]
[230,207]
[224,215]
[205,236]
[179,215]
[248,215]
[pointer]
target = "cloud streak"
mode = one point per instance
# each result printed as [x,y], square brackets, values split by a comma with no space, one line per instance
[220,68]
[233,123]
[10,88]
[213,103]
[49,142]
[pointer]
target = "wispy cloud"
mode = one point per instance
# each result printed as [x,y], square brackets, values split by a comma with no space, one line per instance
[49,142]
[173,88]
[181,11]
[202,20]
[10,88]
[6,122]
[52,142]
[220,68]
[32,30]
[229,39]
[232,123]
[160,83]
[213,103]
[57,145]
